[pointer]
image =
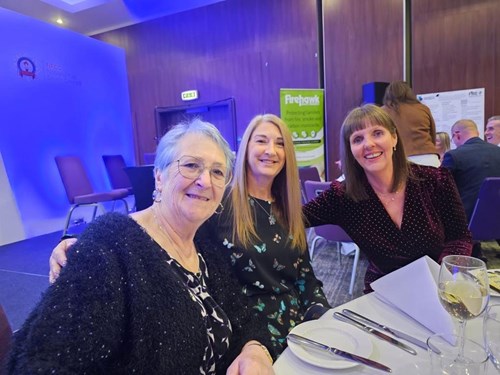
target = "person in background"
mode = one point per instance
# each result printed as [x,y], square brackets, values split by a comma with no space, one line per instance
[492,132]
[140,294]
[470,163]
[380,185]
[443,144]
[261,231]
[414,122]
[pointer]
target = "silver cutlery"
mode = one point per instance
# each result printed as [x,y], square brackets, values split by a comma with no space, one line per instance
[392,331]
[300,340]
[373,331]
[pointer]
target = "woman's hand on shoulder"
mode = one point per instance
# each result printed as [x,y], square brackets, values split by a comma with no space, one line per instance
[253,360]
[58,258]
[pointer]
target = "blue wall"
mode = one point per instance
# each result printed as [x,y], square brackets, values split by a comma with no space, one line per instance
[77,103]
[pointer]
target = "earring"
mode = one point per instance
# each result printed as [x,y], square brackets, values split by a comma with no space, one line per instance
[394,148]
[221,209]
[157,195]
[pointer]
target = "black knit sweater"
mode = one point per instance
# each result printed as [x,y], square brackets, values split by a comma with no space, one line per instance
[117,308]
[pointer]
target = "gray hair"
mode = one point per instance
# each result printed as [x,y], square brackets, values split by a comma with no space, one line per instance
[493,118]
[168,151]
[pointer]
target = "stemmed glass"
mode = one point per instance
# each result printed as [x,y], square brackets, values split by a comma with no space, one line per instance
[491,329]
[464,292]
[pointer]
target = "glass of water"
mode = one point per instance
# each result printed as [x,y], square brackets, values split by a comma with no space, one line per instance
[491,329]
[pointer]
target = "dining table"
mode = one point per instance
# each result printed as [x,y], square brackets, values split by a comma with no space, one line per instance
[400,362]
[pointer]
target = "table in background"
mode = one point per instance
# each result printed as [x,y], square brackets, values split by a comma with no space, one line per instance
[143,184]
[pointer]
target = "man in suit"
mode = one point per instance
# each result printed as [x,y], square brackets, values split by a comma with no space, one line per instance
[492,132]
[470,163]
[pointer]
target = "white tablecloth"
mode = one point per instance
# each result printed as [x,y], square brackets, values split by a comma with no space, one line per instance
[398,360]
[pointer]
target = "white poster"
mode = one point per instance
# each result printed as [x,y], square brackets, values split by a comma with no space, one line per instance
[450,106]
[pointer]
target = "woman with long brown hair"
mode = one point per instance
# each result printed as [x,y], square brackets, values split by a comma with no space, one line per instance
[262,228]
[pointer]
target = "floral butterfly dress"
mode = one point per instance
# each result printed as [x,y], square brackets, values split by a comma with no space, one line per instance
[278,279]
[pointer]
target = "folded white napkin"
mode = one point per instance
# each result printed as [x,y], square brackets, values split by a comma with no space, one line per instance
[413,289]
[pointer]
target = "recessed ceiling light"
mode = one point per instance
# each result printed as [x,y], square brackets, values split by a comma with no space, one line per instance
[59,21]
[74,6]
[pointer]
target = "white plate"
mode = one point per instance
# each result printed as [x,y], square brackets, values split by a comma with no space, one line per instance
[332,333]
[494,293]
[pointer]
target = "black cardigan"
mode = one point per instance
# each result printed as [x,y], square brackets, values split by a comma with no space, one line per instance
[118,309]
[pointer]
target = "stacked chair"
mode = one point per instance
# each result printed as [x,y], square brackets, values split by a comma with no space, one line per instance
[115,166]
[79,190]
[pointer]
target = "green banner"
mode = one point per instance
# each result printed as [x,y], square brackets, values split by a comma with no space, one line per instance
[302,110]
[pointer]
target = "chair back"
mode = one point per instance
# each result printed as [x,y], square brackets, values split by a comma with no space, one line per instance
[307,174]
[143,184]
[115,166]
[5,338]
[74,177]
[330,232]
[485,220]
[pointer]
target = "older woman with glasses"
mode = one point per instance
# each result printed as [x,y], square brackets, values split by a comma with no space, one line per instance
[140,294]
[261,231]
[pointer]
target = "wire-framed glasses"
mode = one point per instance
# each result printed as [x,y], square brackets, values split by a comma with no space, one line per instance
[192,167]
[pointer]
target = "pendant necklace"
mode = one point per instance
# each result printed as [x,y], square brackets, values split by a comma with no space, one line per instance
[182,260]
[270,215]
[389,200]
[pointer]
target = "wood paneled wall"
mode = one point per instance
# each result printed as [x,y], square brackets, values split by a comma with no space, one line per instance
[249,49]
[456,46]
[362,43]
[246,49]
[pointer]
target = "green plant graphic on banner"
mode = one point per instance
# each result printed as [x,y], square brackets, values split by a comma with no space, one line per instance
[302,110]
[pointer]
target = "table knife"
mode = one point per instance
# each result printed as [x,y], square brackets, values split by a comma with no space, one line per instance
[392,331]
[300,340]
[374,332]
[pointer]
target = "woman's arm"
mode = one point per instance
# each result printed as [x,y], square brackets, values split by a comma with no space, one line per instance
[325,208]
[458,239]
[309,287]
[254,359]
[78,324]
[226,290]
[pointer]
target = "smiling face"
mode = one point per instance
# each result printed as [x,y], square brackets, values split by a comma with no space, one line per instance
[492,132]
[372,147]
[265,152]
[189,201]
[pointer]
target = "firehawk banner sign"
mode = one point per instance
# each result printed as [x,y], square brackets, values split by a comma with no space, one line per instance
[302,110]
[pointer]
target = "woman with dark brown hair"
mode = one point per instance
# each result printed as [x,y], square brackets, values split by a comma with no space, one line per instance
[394,210]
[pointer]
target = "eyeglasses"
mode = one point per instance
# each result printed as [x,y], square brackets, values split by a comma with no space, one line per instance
[192,168]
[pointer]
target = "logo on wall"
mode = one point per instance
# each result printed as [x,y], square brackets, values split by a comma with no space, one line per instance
[26,67]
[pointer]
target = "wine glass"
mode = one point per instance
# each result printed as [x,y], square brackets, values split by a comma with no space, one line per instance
[491,330]
[464,293]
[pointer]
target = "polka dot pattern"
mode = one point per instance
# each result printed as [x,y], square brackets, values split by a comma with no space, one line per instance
[433,224]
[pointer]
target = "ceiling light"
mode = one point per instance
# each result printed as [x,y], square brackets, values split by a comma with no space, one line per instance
[59,21]
[74,6]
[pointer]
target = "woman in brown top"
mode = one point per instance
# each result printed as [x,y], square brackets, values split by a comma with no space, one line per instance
[414,122]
